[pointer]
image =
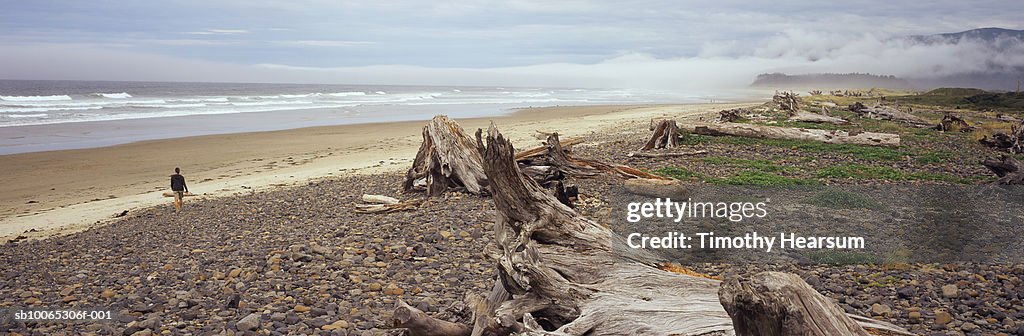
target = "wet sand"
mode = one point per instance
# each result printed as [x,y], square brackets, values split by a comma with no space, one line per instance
[60,192]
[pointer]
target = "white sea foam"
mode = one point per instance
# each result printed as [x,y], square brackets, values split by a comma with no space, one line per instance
[347,94]
[35,98]
[46,109]
[381,92]
[38,115]
[121,95]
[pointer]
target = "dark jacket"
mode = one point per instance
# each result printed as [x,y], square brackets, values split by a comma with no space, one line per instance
[178,183]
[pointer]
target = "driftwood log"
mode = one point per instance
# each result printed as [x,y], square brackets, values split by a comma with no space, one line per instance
[952,123]
[419,324]
[1009,170]
[782,304]
[558,157]
[817,118]
[666,135]
[773,132]
[666,154]
[447,159]
[880,112]
[560,273]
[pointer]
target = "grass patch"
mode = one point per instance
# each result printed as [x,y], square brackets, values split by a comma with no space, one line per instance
[762,165]
[840,199]
[678,173]
[858,171]
[841,258]
[760,178]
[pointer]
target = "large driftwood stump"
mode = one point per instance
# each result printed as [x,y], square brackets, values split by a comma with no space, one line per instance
[782,304]
[666,135]
[773,132]
[788,101]
[560,273]
[1013,142]
[447,159]
[1009,170]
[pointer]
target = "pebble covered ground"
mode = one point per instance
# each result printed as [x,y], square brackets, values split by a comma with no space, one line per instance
[300,261]
[291,261]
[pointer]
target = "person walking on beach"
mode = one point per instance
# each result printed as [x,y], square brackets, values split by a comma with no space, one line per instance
[179,188]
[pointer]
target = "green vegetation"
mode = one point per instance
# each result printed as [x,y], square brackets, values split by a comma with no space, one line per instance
[760,178]
[859,171]
[746,177]
[678,173]
[840,199]
[761,165]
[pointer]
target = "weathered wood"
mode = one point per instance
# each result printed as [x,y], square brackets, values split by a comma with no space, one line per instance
[1009,170]
[560,273]
[953,123]
[446,160]
[782,304]
[558,157]
[420,324]
[880,112]
[666,135]
[667,154]
[773,132]
[787,100]
[731,115]
[378,199]
[389,207]
[817,118]
[1012,142]
[540,150]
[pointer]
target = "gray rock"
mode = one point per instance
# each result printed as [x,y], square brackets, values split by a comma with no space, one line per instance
[950,291]
[250,322]
[881,309]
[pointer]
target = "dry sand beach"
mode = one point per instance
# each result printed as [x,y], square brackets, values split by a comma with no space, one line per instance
[60,192]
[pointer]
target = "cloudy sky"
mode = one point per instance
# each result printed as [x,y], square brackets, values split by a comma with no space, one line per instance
[653,43]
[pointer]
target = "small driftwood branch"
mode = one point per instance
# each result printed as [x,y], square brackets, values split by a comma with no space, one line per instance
[389,208]
[378,199]
[420,324]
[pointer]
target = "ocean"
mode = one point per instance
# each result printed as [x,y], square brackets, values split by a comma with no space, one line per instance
[53,115]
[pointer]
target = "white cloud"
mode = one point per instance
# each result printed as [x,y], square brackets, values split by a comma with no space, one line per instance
[219,32]
[327,43]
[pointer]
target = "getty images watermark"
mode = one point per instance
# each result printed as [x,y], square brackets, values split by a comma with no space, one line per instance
[736,212]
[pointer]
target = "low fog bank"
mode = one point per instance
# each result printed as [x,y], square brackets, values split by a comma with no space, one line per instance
[984,62]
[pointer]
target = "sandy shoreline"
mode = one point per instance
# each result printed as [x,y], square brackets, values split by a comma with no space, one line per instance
[62,192]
